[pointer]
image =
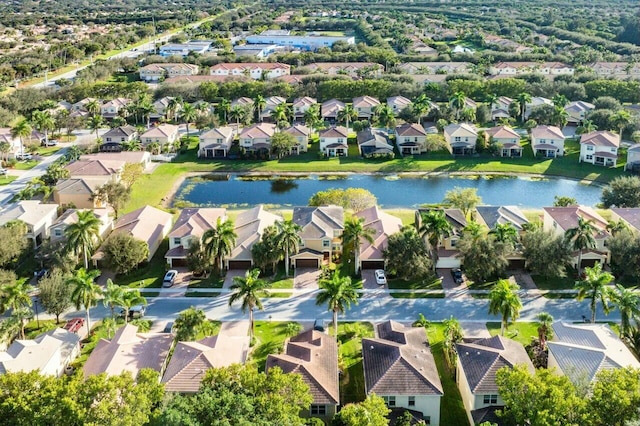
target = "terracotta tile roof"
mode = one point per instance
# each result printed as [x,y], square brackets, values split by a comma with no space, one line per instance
[134,157]
[94,167]
[503,132]
[384,226]
[163,131]
[410,129]
[249,227]
[319,222]
[365,102]
[195,221]
[250,66]
[331,108]
[298,130]
[313,355]
[399,362]
[547,132]
[125,131]
[304,101]
[334,132]
[86,185]
[203,78]
[258,130]
[567,217]
[601,138]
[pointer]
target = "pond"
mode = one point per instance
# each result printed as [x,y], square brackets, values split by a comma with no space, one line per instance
[392,191]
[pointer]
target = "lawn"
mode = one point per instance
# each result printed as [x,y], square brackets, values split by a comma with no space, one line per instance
[149,275]
[350,336]
[563,283]
[400,284]
[212,281]
[31,329]
[406,215]
[6,179]
[439,295]
[46,151]
[521,332]
[25,165]
[201,293]
[269,339]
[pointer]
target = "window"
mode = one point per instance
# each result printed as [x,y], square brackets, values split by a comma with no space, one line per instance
[318,410]
[326,243]
[453,242]
[412,401]
[177,241]
[427,420]
[588,157]
[490,399]
[391,401]
[457,139]
[57,232]
[340,140]
[589,148]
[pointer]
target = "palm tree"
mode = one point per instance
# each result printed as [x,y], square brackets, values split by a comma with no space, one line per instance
[616,227]
[95,123]
[626,300]
[93,107]
[312,116]
[523,99]
[224,106]
[560,100]
[237,113]
[85,291]
[620,119]
[82,235]
[249,289]
[352,236]
[347,114]
[43,121]
[129,299]
[581,237]
[594,287]
[458,101]
[504,301]
[15,296]
[112,297]
[587,126]
[21,130]
[421,106]
[281,113]
[173,106]
[434,226]
[491,99]
[287,240]
[544,328]
[385,116]
[338,293]
[260,102]
[505,233]
[218,242]
[187,115]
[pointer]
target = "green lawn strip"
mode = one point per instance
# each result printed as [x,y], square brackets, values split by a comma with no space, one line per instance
[471,285]
[148,294]
[419,284]
[212,281]
[519,331]
[31,329]
[6,179]
[439,295]
[48,150]
[350,358]
[269,337]
[406,215]
[149,275]
[202,294]
[282,283]
[452,411]
[562,283]
[212,330]
[281,295]
[25,165]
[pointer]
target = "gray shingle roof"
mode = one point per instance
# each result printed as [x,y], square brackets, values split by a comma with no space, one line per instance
[318,222]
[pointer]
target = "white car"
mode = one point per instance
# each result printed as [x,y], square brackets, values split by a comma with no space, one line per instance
[3,171]
[381,278]
[24,157]
[169,278]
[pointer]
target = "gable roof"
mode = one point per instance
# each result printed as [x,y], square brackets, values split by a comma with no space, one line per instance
[601,138]
[384,226]
[304,101]
[195,221]
[162,131]
[313,355]
[629,215]
[223,133]
[249,227]
[547,132]
[494,215]
[94,167]
[29,211]
[334,132]
[126,156]
[36,354]
[399,362]
[411,129]
[331,107]
[503,132]
[481,360]
[77,186]
[71,216]
[455,217]
[318,222]
[298,130]
[258,130]
[121,131]
[371,137]
[567,217]
[365,102]
[460,129]
[400,101]
[579,106]
[144,224]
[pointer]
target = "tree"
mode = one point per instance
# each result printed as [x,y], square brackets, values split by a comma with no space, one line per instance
[82,234]
[293,328]
[198,261]
[188,115]
[14,243]
[625,256]
[237,113]
[353,234]
[465,199]
[347,115]
[620,120]
[174,105]
[288,240]
[615,396]
[265,253]
[505,233]
[131,172]
[623,191]
[545,253]
[452,335]
[504,301]
[95,123]
[123,252]
[523,99]
[421,106]
[564,201]
[581,237]
[112,296]
[44,122]
[21,130]
[188,323]
[545,332]
[55,294]
[482,256]
[406,255]
[371,412]
[458,102]
[15,296]
[131,298]
[385,116]
[560,100]
[627,301]
[594,287]
[218,242]
[434,226]
[249,290]
[356,199]
[113,193]
[338,293]
[282,143]
[587,126]
[85,292]
[259,102]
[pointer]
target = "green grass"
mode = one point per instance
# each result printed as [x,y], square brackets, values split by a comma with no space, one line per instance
[31,330]
[521,332]
[276,295]
[552,295]
[439,295]
[25,165]
[212,281]
[282,283]
[406,215]
[399,284]
[46,151]
[149,275]
[6,179]
[350,336]
[270,337]
[202,294]
[562,283]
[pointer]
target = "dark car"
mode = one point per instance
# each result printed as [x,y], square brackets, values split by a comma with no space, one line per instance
[42,273]
[318,325]
[457,276]
[137,311]
[168,328]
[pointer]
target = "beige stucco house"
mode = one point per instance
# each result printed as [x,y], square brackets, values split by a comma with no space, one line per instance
[79,192]
[216,143]
[257,137]
[411,139]
[365,106]
[189,227]
[461,138]
[333,141]
[249,227]
[163,134]
[547,141]
[69,217]
[38,218]
[447,252]
[384,225]
[507,140]
[321,234]
[301,134]
[599,148]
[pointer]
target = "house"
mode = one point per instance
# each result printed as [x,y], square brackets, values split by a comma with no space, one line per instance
[114,108]
[58,228]
[399,367]
[259,51]
[630,216]
[129,351]
[411,139]
[302,105]
[435,67]
[398,103]
[491,216]
[254,70]
[581,351]
[333,141]
[190,226]
[157,72]
[321,234]
[547,141]
[14,143]
[163,134]
[216,143]
[373,142]
[544,68]
[271,103]
[330,110]
[577,111]
[559,220]
[36,216]
[257,137]
[191,360]
[384,225]
[302,42]
[249,227]
[352,69]
[105,169]
[500,108]
[184,49]
[365,106]
[115,138]
[243,102]
[161,109]
[507,140]
[146,224]
[81,107]
[461,138]
[447,252]
[49,354]
[79,192]
[633,157]
[599,148]
[476,369]
[536,101]
[616,69]
[134,157]
[313,355]
[301,134]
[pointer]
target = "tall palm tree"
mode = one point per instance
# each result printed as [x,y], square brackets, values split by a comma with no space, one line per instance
[44,122]
[173,106]
[347,114]
[224,106]
[281,113]
[95,123]
[21,130]
[187,115]
[594,287]
[85,291]
[581,237]
[15,296]
[523,99]
[248,289]
[260,102]
[218,242]
[434,226]
[238,114]
[83,234]
[505,233]
[457,102]
[627,301]
[560,116]
[312,116]
[504,301]
[338,293]
[385,116]
[93,107]
[421,106]
[587,126]
[352,236]
[491,100]
[621,119]
[544,328]
[287,240]
[615,227]
[112,297]
[129,299]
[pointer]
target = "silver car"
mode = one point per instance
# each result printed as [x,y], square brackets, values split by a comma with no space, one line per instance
[169,278]
[381,278]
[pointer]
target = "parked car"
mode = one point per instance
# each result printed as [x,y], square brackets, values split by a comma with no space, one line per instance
[168,328]
[50,142]
[137,311]
[42,273]
[381,278]
[3,171]
[318,325]
[169,278]
[456,273]
[24,157]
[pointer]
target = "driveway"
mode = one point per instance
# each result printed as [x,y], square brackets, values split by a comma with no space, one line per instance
[523,279]
[369,280]
[474,330]
[306,278]
[231,273]
[448,284]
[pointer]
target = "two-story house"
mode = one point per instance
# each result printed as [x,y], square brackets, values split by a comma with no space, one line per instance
[254,70]
[398,103]
[547,141]
[157,72]
[164,134]
[301,134]
[447,251]
[37,217]
[333,141]
[321,235]
[257,137]
[114,139]
[352,69]
[271,103]
[216,143]
[384,225]
[365,106]
[373,142]
[330,110]
[411,139]
[599,148]
[301,106]
[461,138]
[191,224]
[577,111]
[507,140]
[114,107]
[106,169]
[249,227]
[58,228]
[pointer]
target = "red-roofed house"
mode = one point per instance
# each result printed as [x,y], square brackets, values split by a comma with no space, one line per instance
[411,139]
[371,254]
[599,148]
[333,141]
[547,141]
[257,137]
[254,70]
[507,140]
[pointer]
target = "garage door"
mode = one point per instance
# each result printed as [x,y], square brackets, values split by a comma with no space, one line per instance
[589,263]
[178,263]
[516,264]
[306,263]
[372,264]
[448,262]
[239,264]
